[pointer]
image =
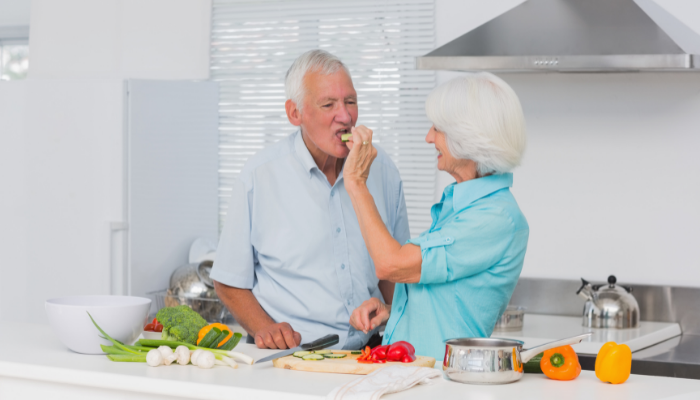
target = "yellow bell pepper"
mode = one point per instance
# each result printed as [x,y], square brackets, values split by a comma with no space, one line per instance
[613,363]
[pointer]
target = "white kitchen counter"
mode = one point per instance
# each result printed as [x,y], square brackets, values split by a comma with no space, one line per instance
[34,364]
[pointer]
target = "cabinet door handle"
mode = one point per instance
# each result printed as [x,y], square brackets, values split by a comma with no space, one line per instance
[117,284]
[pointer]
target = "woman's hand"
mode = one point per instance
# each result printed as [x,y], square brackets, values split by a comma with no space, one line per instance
[362,154]
[370,315]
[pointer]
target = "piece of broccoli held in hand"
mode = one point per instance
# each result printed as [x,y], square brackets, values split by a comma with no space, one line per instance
[180,323]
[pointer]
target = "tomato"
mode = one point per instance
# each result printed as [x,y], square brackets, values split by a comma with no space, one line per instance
[150,327]
[158,328]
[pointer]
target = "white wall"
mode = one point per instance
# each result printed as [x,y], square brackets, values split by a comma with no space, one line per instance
[122,39]
[13,211]
[609,183]
[14,12]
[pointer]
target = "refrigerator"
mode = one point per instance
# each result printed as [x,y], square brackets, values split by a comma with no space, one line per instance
[105,185]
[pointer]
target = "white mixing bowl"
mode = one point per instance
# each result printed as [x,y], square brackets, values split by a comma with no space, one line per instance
[122,317]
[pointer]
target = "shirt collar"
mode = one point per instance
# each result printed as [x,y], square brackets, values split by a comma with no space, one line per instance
[472,190]
[303,153]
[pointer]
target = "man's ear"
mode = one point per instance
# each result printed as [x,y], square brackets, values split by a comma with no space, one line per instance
[293,113]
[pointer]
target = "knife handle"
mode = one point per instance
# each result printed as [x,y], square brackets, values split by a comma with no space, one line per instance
[328,340]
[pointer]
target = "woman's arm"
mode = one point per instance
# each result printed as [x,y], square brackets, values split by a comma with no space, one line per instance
[392,261]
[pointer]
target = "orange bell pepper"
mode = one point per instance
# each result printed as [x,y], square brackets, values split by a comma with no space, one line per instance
[203,332]
[560,363]
[613,363]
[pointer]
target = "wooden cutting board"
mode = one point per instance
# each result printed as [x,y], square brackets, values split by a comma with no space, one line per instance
[347,365]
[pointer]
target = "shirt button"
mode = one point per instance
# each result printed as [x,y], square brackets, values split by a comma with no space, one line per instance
[349,302]
[337,230]
[342,266]
[332,194]
[400,308]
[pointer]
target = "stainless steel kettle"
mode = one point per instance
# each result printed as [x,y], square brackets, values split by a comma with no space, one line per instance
[609,306]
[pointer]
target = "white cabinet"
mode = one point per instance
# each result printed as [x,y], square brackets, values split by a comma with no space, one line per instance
[111,182]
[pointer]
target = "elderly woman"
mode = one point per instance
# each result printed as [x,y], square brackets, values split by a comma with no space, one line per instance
[456,278]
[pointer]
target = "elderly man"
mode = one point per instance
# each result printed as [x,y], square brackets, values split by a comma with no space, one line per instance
[291,264]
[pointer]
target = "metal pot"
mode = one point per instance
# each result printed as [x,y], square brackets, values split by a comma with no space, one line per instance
[491,360]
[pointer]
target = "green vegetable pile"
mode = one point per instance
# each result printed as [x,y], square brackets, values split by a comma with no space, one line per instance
[138,352]
[180,324]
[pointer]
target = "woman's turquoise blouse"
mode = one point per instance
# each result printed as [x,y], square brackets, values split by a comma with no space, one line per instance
[472,257]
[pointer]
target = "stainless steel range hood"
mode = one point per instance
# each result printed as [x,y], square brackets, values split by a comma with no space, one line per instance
[564,36]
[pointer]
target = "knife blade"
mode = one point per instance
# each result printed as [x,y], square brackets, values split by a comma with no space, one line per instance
[326,341]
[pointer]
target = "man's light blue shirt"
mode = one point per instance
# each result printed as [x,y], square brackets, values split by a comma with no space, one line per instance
[295,240]
[472,257]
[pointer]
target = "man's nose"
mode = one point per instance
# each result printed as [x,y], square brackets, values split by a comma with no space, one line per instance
[343,115]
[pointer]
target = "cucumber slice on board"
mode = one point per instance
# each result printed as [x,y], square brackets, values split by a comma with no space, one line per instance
[313,357]
[356,352]
[333,355]
[321,352]
[300,354]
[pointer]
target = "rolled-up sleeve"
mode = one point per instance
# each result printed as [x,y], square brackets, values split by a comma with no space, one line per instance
[474,241]
[235,263]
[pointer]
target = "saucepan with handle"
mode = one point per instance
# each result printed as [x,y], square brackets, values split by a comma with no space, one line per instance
[492,360]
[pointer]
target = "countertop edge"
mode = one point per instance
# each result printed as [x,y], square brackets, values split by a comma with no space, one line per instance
[149,385]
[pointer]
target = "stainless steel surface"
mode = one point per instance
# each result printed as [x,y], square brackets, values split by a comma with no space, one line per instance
[656,303]
[565,36]
[491,360]
[609,305]
[511,320]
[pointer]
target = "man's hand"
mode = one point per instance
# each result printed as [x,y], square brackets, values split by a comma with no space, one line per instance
[369,315]
[277,336]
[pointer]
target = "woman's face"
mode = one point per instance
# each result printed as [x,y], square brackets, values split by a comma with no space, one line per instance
[446,162]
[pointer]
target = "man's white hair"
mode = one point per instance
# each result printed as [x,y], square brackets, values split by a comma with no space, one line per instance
[482,120]
[318,61]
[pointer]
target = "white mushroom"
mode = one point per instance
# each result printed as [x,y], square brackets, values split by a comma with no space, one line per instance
[206,359]
[154,358]
[183,355]
[167,353]
[195,355]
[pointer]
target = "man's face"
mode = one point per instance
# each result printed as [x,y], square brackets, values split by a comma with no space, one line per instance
[330,110]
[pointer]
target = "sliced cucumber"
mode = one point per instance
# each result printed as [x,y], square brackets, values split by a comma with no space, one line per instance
[301,354]
[334,355]
[356,352]
[312,357]
[321,352]
[345,137]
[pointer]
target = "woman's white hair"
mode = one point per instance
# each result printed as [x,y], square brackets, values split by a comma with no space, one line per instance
[318,61]
[482,120]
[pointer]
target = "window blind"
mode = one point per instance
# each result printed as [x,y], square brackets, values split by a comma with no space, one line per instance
[254,43]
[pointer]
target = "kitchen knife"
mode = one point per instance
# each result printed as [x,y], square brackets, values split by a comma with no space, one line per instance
[328,340]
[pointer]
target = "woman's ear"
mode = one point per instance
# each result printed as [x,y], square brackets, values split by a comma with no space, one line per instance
[293,113]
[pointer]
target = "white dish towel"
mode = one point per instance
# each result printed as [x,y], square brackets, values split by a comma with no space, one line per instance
[384,380]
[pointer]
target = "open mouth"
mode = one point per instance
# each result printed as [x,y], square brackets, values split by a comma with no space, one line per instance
[340,132]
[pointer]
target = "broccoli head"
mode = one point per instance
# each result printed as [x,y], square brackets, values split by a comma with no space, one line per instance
[181,323]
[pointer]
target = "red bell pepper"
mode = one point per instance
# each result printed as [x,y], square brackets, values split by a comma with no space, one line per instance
[379,352]
[410,346]
[401,351]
